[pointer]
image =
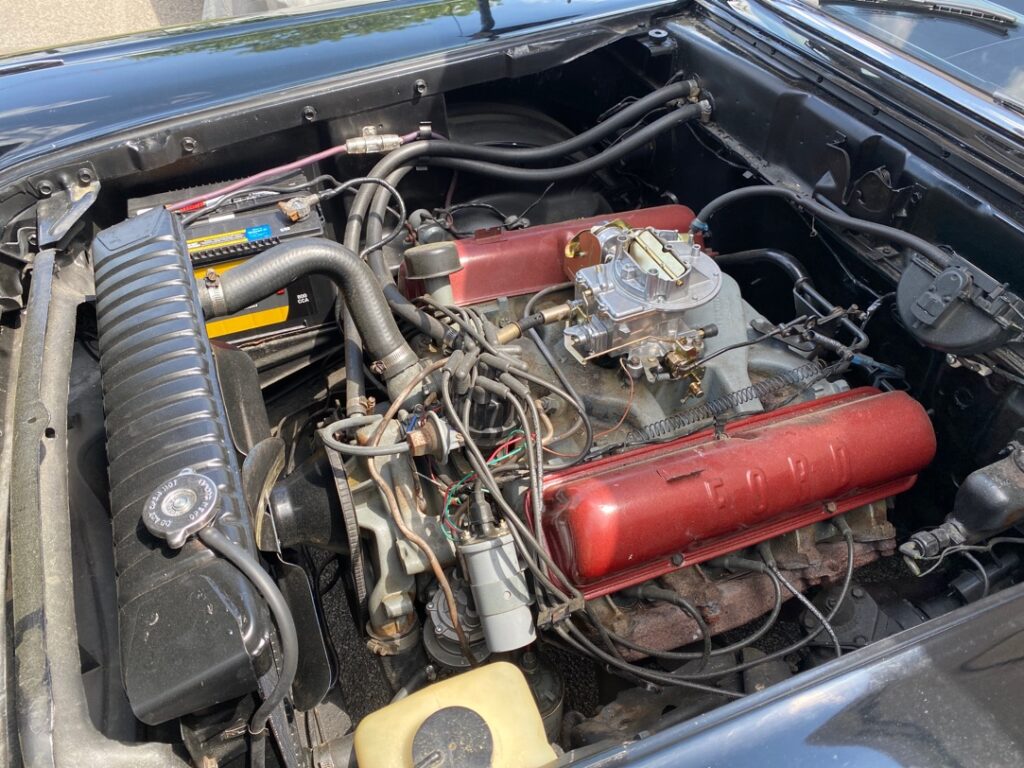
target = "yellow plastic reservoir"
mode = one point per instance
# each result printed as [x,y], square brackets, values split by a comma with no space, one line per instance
[486,717]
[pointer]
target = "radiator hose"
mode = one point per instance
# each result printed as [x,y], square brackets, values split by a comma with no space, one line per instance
[277,267]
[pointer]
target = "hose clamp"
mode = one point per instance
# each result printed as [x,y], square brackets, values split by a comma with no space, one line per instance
[215,294]
[398,359]
[706,108]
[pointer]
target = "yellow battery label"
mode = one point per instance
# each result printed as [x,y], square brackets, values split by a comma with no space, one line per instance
[219,240]
[246,321]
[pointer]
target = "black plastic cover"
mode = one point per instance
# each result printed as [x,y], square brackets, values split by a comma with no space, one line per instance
[935,307]
[193,629]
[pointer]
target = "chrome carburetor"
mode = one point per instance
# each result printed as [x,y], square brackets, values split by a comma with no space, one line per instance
[633,288]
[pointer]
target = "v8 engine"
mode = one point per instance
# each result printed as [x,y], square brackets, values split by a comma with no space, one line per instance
[462,440]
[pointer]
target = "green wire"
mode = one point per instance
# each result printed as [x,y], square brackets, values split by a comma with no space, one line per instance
[449,497]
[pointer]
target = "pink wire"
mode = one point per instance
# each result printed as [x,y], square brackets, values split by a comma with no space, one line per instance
[340,149]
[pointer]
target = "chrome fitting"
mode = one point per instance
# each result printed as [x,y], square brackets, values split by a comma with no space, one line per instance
[373,143]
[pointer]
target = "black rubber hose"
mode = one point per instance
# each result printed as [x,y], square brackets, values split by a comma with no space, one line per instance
[281,265]
[260,579]
[410,686]
[624,118]
[414,151]
[826,214]
[355,379]
[628,145]
[787,262]
[804,287]
[400,305]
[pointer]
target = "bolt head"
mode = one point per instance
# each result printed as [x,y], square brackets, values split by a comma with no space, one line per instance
[420,86]
[309,113]
[189,145]
[45,188]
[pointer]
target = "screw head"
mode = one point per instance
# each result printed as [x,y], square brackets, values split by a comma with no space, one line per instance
[857,592]
[189,145]
[84,176]
[45,188]
[677,559]
[420,86]
[309,113]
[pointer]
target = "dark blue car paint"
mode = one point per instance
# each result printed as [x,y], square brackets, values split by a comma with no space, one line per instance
[53,99]
[943,694]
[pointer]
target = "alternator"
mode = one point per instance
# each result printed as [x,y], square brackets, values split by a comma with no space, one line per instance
[633,287]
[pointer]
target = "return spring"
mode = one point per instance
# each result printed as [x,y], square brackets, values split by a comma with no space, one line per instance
[805,374]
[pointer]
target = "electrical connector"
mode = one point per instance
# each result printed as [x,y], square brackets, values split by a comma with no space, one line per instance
[373,143]
[298,208]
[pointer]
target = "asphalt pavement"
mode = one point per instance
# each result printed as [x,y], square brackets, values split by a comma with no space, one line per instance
[32,24]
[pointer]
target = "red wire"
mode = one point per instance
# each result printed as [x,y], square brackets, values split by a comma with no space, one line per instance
[503,447]
[193,203]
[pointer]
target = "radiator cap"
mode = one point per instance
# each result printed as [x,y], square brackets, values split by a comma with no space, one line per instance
[181,506]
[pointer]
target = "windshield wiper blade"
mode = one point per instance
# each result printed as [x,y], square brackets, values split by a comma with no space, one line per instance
[970,12]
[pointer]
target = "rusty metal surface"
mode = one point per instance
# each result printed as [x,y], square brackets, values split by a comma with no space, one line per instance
[737,599]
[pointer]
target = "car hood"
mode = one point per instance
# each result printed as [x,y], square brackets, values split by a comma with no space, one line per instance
[56,98]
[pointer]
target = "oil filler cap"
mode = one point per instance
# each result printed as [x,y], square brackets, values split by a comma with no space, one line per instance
[181,506]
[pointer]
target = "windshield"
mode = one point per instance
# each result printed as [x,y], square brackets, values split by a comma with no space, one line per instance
[988,57]
[29,25]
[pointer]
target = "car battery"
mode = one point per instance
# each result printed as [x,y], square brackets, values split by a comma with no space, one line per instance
[238,229]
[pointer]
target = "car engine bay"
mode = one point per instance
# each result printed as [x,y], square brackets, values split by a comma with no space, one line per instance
[520,419]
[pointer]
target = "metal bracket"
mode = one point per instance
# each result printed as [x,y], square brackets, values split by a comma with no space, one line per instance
[66,197]
[549,617]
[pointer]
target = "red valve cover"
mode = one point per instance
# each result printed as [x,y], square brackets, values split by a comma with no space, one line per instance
[526,260]
[624,519]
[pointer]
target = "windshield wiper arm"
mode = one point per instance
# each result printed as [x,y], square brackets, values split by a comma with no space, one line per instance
[970,12]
